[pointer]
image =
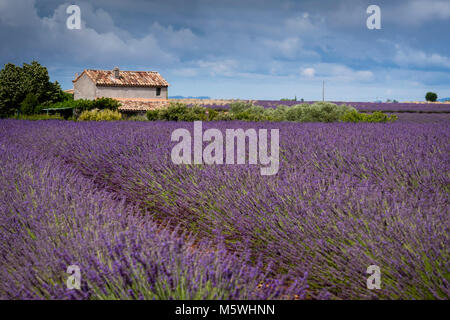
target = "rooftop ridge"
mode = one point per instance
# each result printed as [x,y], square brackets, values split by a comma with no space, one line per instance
[106,70]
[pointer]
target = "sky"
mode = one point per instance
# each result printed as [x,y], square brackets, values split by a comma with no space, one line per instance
[247,49]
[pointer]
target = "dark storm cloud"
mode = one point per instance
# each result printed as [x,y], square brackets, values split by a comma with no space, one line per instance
[241,48]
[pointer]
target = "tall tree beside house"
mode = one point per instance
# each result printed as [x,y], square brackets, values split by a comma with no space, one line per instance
[11,89]
[28,105]
[17,82]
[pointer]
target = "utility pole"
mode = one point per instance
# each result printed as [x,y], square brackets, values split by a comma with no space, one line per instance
[323,90]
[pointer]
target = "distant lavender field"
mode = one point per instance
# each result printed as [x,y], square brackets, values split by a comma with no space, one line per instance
[363,106]
[106,196]
[373,106]
[406,117]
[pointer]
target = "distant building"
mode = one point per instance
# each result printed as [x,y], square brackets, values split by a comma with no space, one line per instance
[142,86]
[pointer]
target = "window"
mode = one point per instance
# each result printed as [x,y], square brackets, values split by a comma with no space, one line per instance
[158,91]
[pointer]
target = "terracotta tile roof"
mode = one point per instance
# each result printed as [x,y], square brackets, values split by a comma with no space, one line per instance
[137,104]
[217,102]
[142,104]
[126,78]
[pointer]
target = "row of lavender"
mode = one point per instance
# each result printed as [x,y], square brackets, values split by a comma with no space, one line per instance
[53,217]
[406,117]
[362,106]
[347,196]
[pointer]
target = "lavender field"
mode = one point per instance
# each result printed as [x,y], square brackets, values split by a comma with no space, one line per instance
[107,197]
[360,106]
[407,117]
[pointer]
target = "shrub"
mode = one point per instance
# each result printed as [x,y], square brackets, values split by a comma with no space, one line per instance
[67,96]
[152,115]
[175,112]
[29,104]
[294,113]
[163,114]
[81,105]
[180,112]
[194,113]
[317,112]
[100,115]
[377,116]
[224,116]
[431,96]
[238,107]
[137,118]
[352,116]
[252,113]
[278,114]
[105,103]
[212,114]
[39,117]
[84,104]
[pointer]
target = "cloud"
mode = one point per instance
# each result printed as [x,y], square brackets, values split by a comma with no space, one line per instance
[289,48]
[338,72]
[417,12]
[284,48]
[99,42]
[17,13]
[186,72]
[284,44]
[219,68]
[412,57]
[303,23]
[308,72]
[346,14]
[169,37]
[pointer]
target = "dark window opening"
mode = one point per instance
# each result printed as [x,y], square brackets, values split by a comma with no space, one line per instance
[158,91]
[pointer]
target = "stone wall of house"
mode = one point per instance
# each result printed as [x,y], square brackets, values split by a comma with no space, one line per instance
[130,92]
[84,88]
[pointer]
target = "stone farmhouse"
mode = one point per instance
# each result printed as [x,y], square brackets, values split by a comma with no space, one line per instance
[136,90]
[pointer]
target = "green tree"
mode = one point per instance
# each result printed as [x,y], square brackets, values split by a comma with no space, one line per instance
[11,89]
[16,82]
[29,104]
[431,96]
